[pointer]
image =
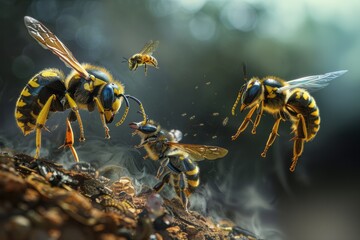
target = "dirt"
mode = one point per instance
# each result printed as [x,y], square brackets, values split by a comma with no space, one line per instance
[40,199]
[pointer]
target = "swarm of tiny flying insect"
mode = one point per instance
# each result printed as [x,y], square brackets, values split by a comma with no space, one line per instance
[177,160]
[86,87]
[287,101]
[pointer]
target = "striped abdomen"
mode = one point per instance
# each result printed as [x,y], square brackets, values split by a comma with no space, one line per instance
[192,174]
[301,102]
[35,94]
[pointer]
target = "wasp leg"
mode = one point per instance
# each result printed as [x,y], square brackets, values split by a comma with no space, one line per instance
[183,194]
[144,142]
[75,109]
[245,123]
[175,183]
[40,123]
[69,140]
[183,191]
[299,140]
[145,67]
[166,179]
[272,137]
[258,117]
[102,117]
[163,164]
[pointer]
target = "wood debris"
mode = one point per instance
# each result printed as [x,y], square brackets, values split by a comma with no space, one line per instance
[39,199]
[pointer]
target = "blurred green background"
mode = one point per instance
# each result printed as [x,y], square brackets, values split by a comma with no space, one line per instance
[203,44]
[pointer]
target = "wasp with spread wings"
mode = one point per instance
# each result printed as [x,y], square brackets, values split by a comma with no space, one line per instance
[144,57]
[286,100]
[177,160]
[86,87]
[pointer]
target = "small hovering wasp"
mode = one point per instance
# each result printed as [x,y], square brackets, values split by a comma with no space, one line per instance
[286,100]
[86,87]
[177,160]
[144,57]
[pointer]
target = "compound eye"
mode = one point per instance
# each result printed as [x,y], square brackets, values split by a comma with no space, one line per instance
[252,93]
[148,128]
[132,64]
[107,97]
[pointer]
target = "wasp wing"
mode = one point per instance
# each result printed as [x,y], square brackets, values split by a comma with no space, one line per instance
[48,40]
[176,134]
[312,83]
[149,47]
[200,152]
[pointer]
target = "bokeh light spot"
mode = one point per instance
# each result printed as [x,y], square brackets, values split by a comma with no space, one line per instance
[192,5]
[45,9]
[89,37]
[239,15]
[202,27]
[23,66]
[66,27]
[161,8]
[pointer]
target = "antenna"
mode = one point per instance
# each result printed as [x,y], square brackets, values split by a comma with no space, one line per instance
[244,71]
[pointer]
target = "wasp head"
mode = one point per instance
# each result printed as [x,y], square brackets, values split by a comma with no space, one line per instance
[250,93]
[134,62]
[110,98]
[147,129]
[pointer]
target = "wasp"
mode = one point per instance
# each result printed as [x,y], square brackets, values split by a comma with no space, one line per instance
[144,57]
[177,160]
[87,87]
[287,101]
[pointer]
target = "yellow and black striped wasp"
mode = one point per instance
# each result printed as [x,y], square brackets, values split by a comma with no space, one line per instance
[144,57]
[177,160]
[286,100]
[86,87]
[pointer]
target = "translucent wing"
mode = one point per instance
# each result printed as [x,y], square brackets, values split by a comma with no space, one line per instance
[149,47]
[312,83]
[200,152]
[48,40]
[176,134]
